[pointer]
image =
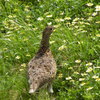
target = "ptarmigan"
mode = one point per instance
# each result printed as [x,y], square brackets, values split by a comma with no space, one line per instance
[42,67]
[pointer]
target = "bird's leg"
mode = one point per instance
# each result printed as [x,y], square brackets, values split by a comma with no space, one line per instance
[50,88]
[33,87]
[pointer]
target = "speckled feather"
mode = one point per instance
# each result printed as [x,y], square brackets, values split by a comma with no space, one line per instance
[42,68]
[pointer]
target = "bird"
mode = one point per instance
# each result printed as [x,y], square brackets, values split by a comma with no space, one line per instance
[42,67]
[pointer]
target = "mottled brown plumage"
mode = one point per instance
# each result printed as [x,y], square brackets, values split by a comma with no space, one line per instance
[42,68]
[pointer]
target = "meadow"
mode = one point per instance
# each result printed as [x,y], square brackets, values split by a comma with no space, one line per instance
[75,44]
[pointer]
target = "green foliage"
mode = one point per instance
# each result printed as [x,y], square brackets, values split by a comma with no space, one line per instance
[75,44]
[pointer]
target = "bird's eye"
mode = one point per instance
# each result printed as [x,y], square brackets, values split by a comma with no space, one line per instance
[50,28]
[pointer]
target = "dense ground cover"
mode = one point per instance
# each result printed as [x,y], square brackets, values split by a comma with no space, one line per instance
[75,44]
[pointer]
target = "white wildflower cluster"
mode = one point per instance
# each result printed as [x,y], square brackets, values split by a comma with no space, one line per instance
[11,24]
[68,78]
[97,8]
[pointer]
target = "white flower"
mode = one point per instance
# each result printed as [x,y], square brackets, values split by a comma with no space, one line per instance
[76,72]
[97,8]
[89,69]
[98,22]
[68,78]
[62,13]
[17,57]
[94,14]
[76,19]
[49,16]
[21,69]
[98,79]
[90,18]
[82,84]
[89,88]
[7,0]
[89,64]
[62,47]
[29,24]
[67,18]
[40,18]
[98,35]
[77,61]
[89,4]
[51,42]
[10,16]
[95,77]
[59,20]
[70,68]
[23,65]
[28,55]
[83,74]
[81,79]
[97,67]
[50,23]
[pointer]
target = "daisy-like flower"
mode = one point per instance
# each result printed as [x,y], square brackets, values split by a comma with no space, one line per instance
[97,67]
[10,16]
[51,42]
[68,78]
[81,79]
[26,9]
[50,23]
[76,19]
[95,77]
[97,8]
[90,18]
[56,26]
[70,68]
[61,47]
[98,22]
[40,18]
[72,80]
[67,18]
[89,64]
[76,73]
[17,57]
[62,13]
[84,74]
[98,35]
[49,16]
[98,79]
[7,0]
[59,20]
[78,61]
[94,14]
[28,16]
[82,84]
[90,88]
[21,70]
[29,24]
[89,4]
[89,69]
[23,65]
[28,55]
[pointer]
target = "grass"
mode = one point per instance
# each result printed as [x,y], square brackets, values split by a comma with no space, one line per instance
[74,44]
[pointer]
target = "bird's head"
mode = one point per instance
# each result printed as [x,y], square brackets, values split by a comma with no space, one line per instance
[48,30]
